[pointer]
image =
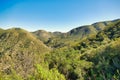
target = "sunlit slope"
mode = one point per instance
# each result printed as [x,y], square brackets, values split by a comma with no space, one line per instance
[19,51]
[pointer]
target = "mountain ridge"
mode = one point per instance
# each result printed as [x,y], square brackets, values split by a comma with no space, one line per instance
[72,35]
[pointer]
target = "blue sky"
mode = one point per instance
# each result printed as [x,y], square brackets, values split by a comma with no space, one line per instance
[56,15]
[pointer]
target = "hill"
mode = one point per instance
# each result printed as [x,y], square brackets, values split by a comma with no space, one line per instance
[20,51]
[43,35]
[58,39]
[94,55]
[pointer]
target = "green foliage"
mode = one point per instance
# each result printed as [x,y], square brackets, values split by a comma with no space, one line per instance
[12,76]
[106,62]
[68,63]
[95,57]
[46,74]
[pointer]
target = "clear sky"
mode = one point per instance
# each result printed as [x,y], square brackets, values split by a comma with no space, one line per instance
[56,15]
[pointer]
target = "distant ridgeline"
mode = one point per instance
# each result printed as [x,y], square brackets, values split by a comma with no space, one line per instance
[90,52]
[58,39]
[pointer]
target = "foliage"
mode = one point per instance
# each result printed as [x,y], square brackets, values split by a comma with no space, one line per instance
[68,63]
[94,57]
[46,74]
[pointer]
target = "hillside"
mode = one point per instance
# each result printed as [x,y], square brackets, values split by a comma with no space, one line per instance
[19,51]
[58,39]
[87,30]
[43,35]
[94,56]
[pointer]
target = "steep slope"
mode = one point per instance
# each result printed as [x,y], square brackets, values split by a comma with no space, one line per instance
[82,31]
[20,51]
[111,32]
[87,30]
